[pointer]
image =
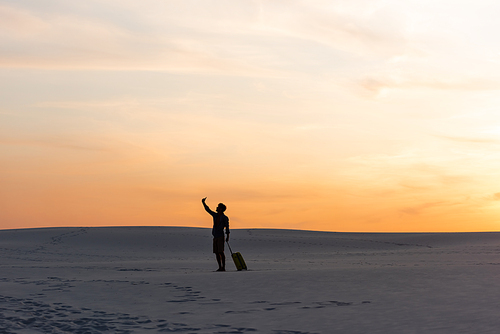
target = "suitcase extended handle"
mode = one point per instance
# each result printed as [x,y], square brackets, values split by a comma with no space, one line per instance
[229,247]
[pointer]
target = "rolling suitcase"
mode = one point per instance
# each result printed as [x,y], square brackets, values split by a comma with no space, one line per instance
[238,259]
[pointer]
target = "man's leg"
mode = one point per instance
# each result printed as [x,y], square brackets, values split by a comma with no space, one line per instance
[219,260]
[217,252]
[223,260]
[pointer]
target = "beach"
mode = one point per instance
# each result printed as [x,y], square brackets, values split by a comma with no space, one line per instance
[163,279]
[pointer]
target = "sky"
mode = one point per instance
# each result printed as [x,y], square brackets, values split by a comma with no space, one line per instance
[349,115]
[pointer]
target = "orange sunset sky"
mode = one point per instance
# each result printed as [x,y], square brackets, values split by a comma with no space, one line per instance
[346,115]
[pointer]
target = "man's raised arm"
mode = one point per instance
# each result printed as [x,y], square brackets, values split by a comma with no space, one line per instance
[206,206]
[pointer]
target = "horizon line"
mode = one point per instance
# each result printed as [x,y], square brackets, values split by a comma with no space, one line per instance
[250,228]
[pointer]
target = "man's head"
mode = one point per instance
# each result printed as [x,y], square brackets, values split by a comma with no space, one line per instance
[221,208]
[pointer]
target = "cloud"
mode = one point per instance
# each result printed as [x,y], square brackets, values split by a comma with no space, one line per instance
[60,142]
[382,83]
[74,41]
[17,23]
[469,139]
[374,43]
[246,38]
[345,28]
[414,174]
[419,209]
[110,148]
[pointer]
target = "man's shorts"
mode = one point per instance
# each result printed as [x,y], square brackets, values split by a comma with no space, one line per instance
[219,245]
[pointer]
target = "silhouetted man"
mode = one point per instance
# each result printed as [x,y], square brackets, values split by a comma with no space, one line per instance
[220,221]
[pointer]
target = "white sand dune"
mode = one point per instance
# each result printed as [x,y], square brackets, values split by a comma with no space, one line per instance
[162,279]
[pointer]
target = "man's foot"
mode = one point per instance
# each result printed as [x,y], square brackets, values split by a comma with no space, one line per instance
[221,269]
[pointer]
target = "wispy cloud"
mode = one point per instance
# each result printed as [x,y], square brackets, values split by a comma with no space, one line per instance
[19,23]
[380,84]
[380,45]
[70,41]
[341,26]
[470,139]
[421,208]
[58,142]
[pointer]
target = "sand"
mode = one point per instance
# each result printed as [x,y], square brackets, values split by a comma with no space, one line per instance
[162,279]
